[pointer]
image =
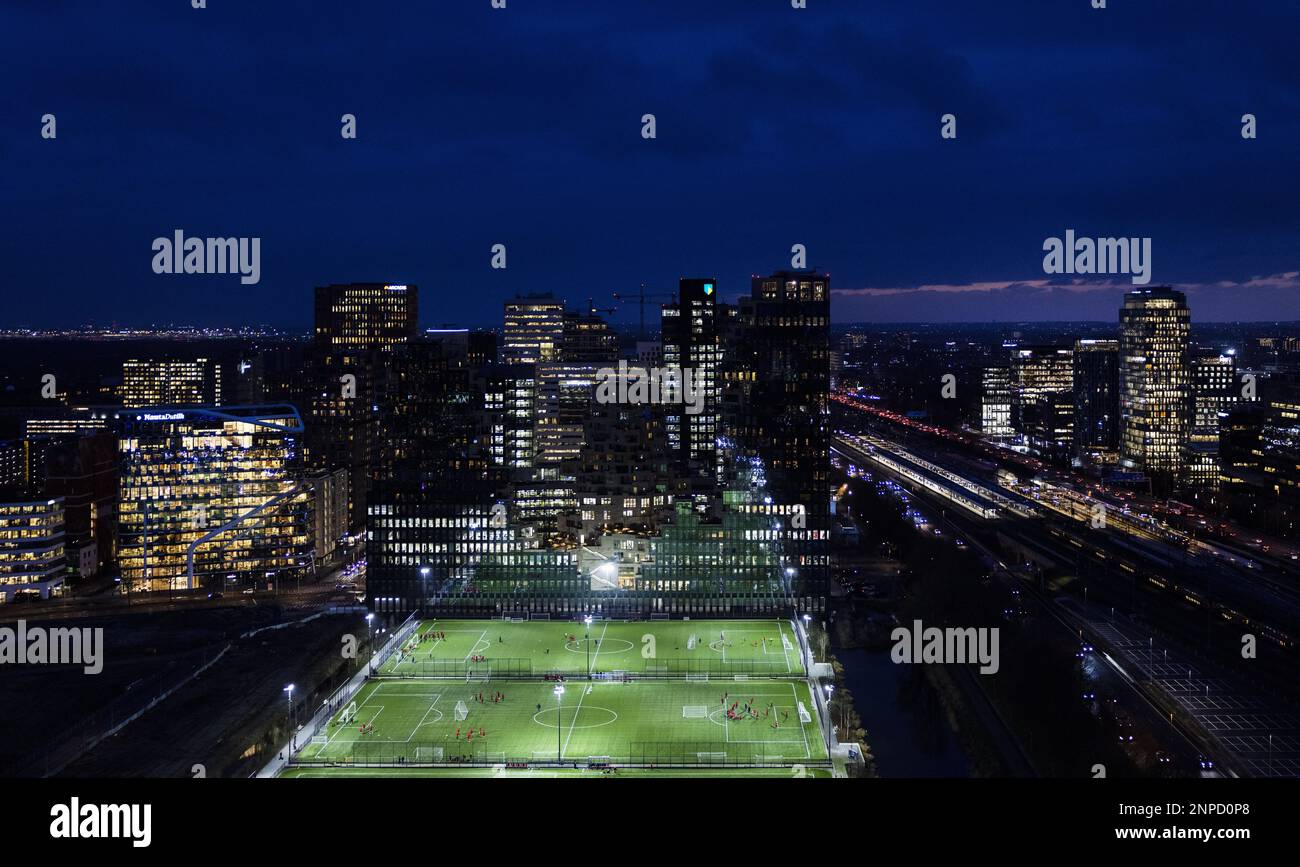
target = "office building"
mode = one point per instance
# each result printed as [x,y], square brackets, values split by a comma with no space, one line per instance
[209,495]
[33,559]
[1096,399]
[534,329]
[1155,382]
[171,382]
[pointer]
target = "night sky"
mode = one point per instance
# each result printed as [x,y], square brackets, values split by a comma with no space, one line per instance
[523,127]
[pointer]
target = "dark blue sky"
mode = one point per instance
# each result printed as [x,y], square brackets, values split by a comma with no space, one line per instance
[776,126]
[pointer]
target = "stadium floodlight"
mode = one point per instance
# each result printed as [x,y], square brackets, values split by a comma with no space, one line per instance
[559,703]
[424,571]
[586,643]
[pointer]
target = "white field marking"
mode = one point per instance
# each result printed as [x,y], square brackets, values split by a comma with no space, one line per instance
[473,650]
[592,667]
[719,646]
[576,711]
[779,634]
[426,716]
[807,749]
[612,719]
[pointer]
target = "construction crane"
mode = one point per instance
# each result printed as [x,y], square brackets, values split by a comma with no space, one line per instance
[641,297]
[592,309]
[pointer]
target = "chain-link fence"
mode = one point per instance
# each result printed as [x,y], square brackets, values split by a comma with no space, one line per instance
[718,753]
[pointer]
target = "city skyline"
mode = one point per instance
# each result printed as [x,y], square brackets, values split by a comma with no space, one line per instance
[911,227]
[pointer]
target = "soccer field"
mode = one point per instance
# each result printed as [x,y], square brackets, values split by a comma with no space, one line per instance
[502,773]
[643,722]
[497,649]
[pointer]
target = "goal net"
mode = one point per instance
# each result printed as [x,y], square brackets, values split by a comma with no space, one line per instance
[462,712]
[692,641]
[701,676]
[481,676]
[320,740]
[694,711]
[428,754]
[349,713]
[804,716]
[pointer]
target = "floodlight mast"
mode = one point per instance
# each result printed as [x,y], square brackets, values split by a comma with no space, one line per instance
[559,703]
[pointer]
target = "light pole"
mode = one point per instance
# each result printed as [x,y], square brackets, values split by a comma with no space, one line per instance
[370,641]
[586,642]
[293,728]
[424,585]
[559,704]
[830,688]
[807,642]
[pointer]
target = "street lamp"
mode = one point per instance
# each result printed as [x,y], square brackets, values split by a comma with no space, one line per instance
[559,703]
[586,642]
[370,640]
[830,688]
[293,728]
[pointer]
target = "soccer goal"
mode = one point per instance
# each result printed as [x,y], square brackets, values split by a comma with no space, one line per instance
[694,711]
[482,676]
[804,716]
[462,712]
[349,713]
[428,754]
[692,642]
[320,741]
[698,676]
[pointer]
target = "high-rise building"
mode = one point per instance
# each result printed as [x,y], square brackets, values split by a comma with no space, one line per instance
[359,318]
[329,512]
[1155,381]
[587,337]
[357,327]
[534,329]
[692,342]
[565,394]
[83,472]
[1260,458]
[171,382]
[33,560]
[510,404]
[1214,391]
[440,531]
[207,493]
[1096,398]
[775,372]
[1042,396]
[995,409]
